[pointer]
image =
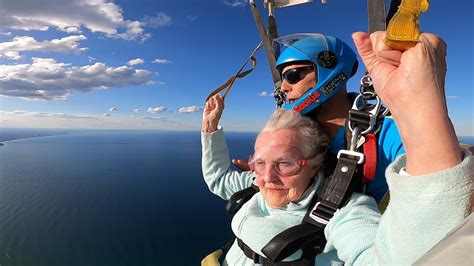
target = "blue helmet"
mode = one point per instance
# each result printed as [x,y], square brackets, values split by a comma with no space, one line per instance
[334,60]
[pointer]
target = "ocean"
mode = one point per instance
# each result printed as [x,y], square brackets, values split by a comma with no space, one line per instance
[113,198]
[110,198]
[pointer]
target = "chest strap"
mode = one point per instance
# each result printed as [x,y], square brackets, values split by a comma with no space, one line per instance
[306,260]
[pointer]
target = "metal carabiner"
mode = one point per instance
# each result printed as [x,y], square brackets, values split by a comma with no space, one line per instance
[280,97]
[367,86]
[354,138]
[373,113]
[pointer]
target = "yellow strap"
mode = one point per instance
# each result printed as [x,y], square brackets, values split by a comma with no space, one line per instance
[212,259]
[230,82]
[403,30]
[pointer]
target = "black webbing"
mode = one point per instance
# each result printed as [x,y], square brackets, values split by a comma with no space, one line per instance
[339,187]
[267,42]
[239,198]
[305,260]
[294,238]
[333,195]
[394,4]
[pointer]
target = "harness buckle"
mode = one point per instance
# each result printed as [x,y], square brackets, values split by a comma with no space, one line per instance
[315,213]
[360,155]
[279,96]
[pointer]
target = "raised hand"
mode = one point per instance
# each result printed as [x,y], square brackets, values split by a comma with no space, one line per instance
[243,165]
[411,83]
[405,79]
[212,113]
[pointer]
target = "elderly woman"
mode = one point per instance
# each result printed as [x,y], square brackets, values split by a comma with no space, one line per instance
[287,159]
[430,186]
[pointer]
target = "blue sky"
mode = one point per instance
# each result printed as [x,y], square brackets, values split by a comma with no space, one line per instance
[146,64]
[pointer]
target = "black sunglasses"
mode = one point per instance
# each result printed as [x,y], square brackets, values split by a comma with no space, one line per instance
[293,75]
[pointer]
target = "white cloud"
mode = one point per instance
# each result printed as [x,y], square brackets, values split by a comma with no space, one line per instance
[46,79]
[235,3]
[100,16]
[191,18]
[158,21]
[451,97]
[26,119]
[12,50]
[264,94]
[161,61]
[190,109]
[156,118]
[46,114]
[136,61]
[160,109]
[136,110]
[113,109]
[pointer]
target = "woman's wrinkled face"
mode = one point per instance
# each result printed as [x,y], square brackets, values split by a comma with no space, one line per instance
[282,176]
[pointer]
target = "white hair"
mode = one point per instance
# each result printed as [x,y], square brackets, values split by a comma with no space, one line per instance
[315,141]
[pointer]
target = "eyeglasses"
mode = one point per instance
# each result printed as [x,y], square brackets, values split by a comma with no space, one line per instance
[293,75]
[283,167]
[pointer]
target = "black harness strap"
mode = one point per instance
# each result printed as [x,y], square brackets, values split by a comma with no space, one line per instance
[337,191]
[293,239]
[394,4]
[305,260]
[239,198]
[333,195]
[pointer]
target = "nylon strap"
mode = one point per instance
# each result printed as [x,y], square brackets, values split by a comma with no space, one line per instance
[376,15]
[370,152]
[332,195]
[230,82]
[257,259]
[394,4]
[339,188]
[238,199]
[403,30]
[267,39]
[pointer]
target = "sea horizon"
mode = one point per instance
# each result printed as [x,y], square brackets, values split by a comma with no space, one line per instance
[6,133]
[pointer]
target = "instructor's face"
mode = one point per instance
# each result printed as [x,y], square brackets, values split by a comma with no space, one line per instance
[307,80]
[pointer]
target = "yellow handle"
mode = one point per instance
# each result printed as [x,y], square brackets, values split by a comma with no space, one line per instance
[403,30]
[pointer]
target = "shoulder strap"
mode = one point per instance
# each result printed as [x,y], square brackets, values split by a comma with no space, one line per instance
[239,198]
[332,195]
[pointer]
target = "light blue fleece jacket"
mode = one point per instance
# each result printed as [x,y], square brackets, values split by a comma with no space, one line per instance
[357,231]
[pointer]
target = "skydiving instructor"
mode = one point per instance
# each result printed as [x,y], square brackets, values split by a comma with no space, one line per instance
[308,64]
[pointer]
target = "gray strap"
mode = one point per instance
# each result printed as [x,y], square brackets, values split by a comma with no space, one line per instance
[376,15]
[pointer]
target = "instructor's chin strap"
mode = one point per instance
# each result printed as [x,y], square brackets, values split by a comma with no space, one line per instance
[403,30]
